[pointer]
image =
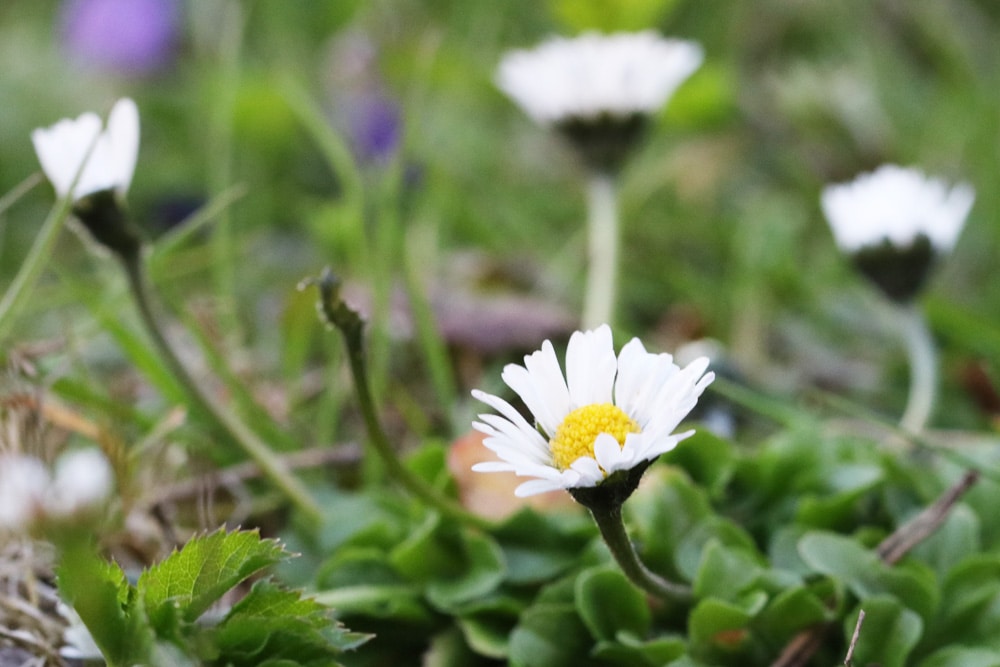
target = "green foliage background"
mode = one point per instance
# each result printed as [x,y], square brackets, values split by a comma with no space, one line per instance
[722,236]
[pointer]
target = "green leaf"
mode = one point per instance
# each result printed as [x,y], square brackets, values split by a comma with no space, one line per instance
[106,604]
[712,529]
[887,636]
[707,458]
[953,541]
[539,547]
[664,509]
[789,612]
[960,656]
[609,603]
[487,634]
[970,607]
[725,572]
[836,505]
[482,571]
[273,624]
[400,602]
[195,577]
[865,573]
[719,624]
[550,635]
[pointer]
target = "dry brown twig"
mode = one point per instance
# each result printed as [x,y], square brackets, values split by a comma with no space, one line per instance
[849,658]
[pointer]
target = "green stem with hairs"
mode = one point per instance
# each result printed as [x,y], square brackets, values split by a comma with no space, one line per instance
[605,504]
[338,314]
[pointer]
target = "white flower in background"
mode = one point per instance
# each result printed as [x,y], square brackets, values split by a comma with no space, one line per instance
[605,415]
[24,482]
[594,75]
[897,205]
[82,479]
[31,495]
[110,153]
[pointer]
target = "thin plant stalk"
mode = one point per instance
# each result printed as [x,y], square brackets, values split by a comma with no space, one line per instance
[602,271]
[220,165]
[336,313]
[610,523]
[270,464]
[922,355]
[41,250]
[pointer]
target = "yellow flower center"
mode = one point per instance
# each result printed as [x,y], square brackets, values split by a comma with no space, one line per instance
[576,434]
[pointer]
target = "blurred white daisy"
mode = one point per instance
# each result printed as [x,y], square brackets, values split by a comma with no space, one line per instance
[598,90]
[897,205]
[594,75]
[31,495]
[894,223]
[24,482]
[110,153]
[607,414]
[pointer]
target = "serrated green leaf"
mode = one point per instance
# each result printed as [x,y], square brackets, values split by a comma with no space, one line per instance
[609,603]
[100,594]
[195,577]
[274,624]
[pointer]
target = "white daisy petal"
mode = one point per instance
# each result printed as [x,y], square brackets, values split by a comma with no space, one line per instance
[542,387]
[593,74]
[591,366]
[105,158]
[608,453]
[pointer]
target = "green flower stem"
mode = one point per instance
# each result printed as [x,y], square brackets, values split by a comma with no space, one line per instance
[602,271]
[338,314]
[609,520]
[255,448]
[922,355]
[16,294]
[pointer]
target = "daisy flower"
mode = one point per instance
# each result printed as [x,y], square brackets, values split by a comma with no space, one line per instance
[110,153]
[897,205]
[598,90]
[894,222]
[607,414]
[31,495]
[594,75]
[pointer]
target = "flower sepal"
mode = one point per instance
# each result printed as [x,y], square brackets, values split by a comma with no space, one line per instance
[899,272]
[612,493]
[104,215]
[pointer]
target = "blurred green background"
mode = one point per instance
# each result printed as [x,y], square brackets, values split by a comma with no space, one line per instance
[723,236]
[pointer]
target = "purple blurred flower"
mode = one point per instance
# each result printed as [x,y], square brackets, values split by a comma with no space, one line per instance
[129,37]
[374,126]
